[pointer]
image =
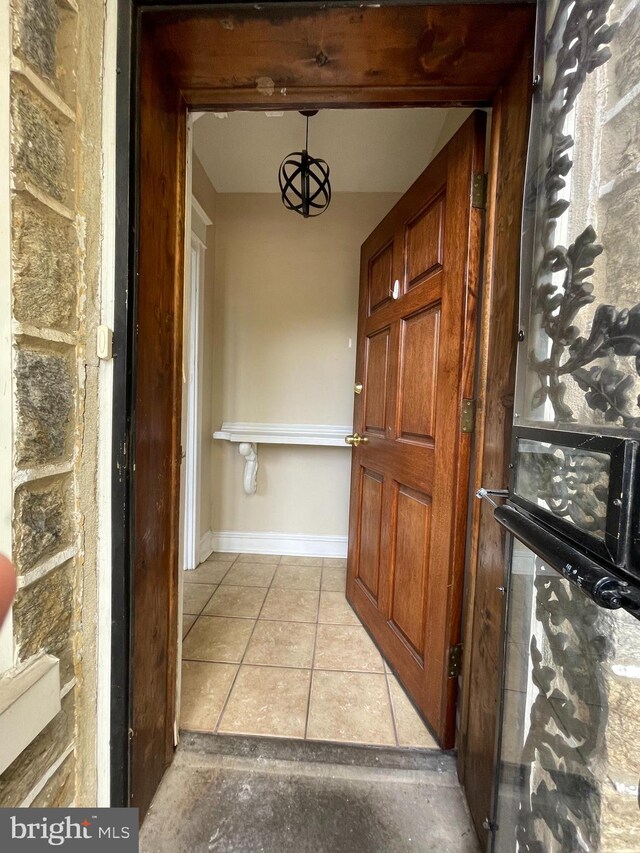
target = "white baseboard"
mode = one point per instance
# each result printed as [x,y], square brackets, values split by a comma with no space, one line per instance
[206,547]
[288,544]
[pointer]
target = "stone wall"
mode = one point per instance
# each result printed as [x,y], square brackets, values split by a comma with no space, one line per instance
[55,198]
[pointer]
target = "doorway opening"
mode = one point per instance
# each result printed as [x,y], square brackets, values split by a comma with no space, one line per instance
[217,59]
[270,644]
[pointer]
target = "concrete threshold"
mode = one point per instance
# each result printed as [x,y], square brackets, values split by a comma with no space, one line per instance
[235,794]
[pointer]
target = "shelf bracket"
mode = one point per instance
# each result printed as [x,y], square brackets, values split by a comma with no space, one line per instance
[250,453]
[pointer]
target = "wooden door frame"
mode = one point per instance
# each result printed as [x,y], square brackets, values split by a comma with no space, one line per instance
[499,294]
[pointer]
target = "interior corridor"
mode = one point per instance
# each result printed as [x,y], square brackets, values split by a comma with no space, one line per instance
[271,647]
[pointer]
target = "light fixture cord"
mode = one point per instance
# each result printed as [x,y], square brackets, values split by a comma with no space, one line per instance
[306,138]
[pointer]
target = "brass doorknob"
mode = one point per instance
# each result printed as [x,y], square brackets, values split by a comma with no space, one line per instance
[355,439]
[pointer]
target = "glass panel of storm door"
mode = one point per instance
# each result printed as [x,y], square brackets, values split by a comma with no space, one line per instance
[579,361]
[569,763]
[570,482]
[570,728]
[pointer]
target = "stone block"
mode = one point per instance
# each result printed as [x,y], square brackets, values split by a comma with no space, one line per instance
[620,146]
[43,522]
[59,791]
[44,392]
[34,34]
[620,236]
[43,618]
[625,60]
[619,820]
[45,268]
[19,779]
[38,144]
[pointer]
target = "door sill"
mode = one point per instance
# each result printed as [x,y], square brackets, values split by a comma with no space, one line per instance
[320,752]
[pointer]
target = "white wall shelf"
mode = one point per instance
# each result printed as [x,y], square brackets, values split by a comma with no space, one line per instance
[314,434]
[248,436]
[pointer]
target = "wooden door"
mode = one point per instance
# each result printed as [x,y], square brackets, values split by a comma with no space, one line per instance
[415,359]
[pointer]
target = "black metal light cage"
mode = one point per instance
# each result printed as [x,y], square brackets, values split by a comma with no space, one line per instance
[304,180]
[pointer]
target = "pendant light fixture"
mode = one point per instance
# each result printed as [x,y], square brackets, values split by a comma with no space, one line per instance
[304,180]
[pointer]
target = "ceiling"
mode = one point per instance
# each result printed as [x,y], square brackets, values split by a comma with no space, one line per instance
[377,150]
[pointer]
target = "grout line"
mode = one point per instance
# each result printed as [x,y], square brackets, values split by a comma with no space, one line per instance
[44,198]
[393,712]
[47,566]
[622,103]
[192,627]
[189,631]
[268,618]
[44,333]
[48,774]
[313,664]
[235,678]
[47,92]
[258,665]
[30,475]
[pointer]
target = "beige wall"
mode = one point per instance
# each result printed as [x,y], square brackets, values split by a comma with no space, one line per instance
[205,194]
[286,292]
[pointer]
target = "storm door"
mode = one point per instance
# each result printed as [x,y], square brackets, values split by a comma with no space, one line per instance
[569,759]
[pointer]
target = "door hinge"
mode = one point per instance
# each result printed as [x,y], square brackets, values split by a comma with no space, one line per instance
[479,190]
[468,415]
[455,661]
[489,825]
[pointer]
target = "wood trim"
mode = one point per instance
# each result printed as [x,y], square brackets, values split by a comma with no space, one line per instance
[308,83]
[158,406]
[484,602]
[466,449]
[286,55]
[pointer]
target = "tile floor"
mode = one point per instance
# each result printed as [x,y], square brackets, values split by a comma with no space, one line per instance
[271,647]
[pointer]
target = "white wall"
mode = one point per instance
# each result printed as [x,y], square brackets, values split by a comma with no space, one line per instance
[285,310]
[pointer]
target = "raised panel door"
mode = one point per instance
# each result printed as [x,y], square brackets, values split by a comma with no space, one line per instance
[409,483]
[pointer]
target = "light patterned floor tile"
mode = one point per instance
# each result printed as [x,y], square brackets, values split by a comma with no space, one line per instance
[297,577]
[336,610]
[334,563]
[301,561]
[409,727]
[347,648]
[222,556]
[208,572]
[281,644]
[334,580]
[204,690]
[267,701]
[350,707]
[187,622]
[195,596]
[250,574]
[236,601]
[269,559]
[291,605]
[218,638]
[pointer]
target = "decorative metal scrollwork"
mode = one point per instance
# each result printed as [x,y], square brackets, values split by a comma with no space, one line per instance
[578,36]
[562,805]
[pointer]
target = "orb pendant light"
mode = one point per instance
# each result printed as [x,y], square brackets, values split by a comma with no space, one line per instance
[304,180]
